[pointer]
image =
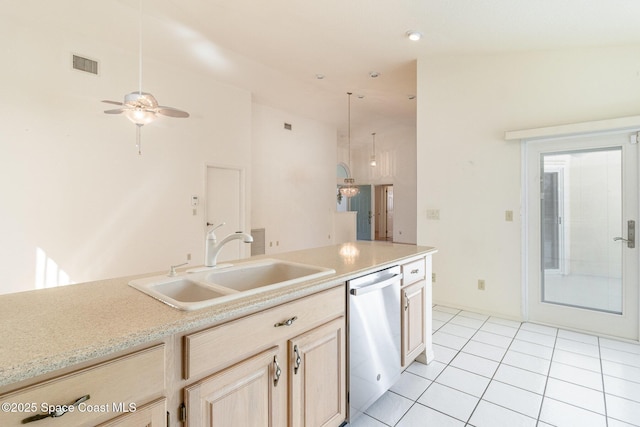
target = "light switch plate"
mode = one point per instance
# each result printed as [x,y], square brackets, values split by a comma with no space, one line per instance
[433,214]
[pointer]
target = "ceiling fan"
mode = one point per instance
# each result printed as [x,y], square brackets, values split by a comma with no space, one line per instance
[142,107]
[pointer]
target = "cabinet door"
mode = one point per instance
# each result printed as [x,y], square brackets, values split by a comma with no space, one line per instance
[317,376]
[413,321]
[153,414]
[248,394]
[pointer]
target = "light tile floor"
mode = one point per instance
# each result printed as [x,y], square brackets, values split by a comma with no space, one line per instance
[492,372]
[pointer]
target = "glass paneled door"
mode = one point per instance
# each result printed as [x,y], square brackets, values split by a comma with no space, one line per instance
[582,260]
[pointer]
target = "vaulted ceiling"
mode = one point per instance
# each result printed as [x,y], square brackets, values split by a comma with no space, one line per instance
[277,48]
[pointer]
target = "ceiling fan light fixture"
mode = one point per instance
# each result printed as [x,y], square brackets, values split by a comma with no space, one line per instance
[140,107]
[140,116]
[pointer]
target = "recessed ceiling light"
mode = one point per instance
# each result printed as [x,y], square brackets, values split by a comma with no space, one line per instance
[319,76]
[414,35]
[360,96]
[374,74]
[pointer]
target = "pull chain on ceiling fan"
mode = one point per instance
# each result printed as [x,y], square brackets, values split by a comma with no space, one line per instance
[142,107]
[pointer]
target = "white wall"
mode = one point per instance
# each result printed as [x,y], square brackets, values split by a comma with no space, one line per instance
[294,176]
[472,175]
[73,188]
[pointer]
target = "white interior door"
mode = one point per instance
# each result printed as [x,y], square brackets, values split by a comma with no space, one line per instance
[225,203]
[582,198]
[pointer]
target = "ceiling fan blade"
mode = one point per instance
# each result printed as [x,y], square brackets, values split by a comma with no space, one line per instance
[113,102]
[172,112]
[116,111]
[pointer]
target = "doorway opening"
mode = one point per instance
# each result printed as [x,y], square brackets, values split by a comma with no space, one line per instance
[225,195]
[384,212]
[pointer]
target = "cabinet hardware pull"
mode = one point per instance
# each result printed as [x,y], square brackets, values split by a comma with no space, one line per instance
[406,300]
[298,361]
[278,371]
[287,322]
[415,271]
[62,409]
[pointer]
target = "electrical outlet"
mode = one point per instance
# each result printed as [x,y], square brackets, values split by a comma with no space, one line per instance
[433,277]
[481,285]
[508,216]
[188,257]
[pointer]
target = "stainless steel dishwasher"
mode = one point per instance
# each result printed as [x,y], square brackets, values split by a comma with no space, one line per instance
[373,316]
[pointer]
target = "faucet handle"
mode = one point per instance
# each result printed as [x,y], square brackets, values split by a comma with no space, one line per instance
[210,231]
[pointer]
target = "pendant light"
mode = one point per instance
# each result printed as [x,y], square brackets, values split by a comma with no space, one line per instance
[373,156]
[349,189]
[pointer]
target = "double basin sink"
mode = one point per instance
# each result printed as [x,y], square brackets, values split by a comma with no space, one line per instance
[193,291]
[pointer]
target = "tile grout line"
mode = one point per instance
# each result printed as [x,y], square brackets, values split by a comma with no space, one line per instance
[434,379]
[491,379]
[493,376]
[604,391]
[546,381]
[556,336]
[477,329]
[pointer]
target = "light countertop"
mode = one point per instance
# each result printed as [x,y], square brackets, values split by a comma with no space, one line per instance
[50,329]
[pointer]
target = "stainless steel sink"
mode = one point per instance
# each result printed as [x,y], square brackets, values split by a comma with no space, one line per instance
[206,288]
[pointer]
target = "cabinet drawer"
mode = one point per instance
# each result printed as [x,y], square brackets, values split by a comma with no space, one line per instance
[212,349]
[114,387]
[413,272]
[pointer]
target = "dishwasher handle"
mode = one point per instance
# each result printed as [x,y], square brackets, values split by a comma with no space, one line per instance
[375,286]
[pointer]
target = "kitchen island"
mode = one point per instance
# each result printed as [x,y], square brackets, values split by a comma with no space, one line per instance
[55,332]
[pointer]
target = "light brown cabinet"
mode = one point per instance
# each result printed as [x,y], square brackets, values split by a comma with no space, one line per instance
[153,414]
[414,310]
[317,376]
[102,393]
[286,363]
[413,321]
[249,393]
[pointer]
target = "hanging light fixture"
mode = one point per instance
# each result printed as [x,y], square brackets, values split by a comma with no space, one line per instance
[373,156]
[349,189]
[141,107]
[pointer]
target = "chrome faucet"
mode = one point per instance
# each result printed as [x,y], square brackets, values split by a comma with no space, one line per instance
[213,247]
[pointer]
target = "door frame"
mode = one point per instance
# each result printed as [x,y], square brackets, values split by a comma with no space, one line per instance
[245,250]
[562,133]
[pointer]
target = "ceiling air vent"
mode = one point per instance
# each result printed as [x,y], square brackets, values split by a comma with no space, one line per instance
[85,64]
[287,126]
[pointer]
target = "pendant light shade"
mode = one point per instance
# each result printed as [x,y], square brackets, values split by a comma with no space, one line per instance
[349,189]
[373,156]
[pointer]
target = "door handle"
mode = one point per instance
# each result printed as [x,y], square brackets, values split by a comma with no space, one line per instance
[376,286]
[631,235]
